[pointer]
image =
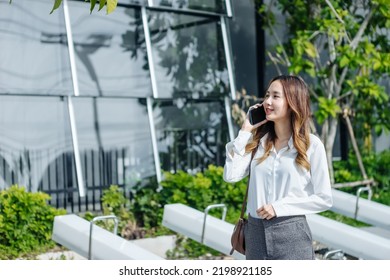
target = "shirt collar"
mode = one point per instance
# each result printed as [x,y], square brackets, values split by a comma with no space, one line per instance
[290,143]
[263,140]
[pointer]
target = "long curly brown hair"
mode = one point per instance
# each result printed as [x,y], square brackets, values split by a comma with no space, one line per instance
[298,100]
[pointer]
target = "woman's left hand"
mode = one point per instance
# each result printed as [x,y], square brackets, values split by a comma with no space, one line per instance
[247,126]
[266,212]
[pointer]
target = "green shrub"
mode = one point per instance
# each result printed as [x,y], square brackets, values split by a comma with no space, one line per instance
[343,219]
[26,222]
[376,165]
[197,191]
[189,249]
[115,203]
[146,206]
[382,196]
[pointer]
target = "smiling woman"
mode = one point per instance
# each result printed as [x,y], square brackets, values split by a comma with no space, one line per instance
[289,174]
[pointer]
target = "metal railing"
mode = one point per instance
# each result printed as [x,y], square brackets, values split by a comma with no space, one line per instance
[206,212]
[94,220]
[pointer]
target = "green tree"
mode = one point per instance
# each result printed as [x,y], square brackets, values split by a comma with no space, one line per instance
[109,4]
[344,46]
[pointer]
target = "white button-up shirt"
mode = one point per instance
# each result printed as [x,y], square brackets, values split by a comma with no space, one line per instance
[278,180]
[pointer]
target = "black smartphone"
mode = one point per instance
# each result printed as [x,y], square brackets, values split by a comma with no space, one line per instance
[256,115]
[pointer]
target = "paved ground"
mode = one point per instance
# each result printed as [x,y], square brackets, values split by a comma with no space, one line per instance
[62,255]
[167,242]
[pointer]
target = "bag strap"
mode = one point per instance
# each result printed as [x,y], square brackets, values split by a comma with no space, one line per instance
[247,187]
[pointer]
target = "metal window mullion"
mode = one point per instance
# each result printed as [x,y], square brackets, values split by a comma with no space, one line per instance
[229,118]
[149,52]
[154,139]
[72,60]
[229,59]
[229,10]
[79,175]
[181,11]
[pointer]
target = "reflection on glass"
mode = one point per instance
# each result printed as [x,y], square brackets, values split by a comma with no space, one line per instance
[189,56]
[110,52]
[217,6]
[190,134]
[33,49]
[114,141]
[35,145]
[137,2]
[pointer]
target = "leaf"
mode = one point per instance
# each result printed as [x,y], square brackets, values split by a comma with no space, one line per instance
[310,49]
[320,117]
[311,72]
[378,129]
[102,3]
[344,61]
[93,3]
[111,5]
[377,64]
[57,4]
[279,49]
[326,107]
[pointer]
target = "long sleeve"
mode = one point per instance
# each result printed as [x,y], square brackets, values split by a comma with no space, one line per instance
[237,161]
[319,195]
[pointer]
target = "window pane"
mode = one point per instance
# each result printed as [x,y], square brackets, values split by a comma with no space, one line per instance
[136,2]
[36,149]
[114,140]
[217,6]
[191,134]
[188,55]
[33,49]
[110,52]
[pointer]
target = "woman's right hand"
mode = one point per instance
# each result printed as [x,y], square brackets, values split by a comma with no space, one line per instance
[246,126]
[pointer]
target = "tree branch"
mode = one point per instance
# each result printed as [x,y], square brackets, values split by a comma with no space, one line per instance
[354,144]
[334,11]
[274,61]
[368,182]
[362,28]
[341,81]
[344,95]
[313,127]
[312,92]
[338,17]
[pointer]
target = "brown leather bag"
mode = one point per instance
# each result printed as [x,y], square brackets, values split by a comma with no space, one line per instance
[238,237]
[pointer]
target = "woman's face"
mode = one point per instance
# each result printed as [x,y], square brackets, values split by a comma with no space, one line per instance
[275,103]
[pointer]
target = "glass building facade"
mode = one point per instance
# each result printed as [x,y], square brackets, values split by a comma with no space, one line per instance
[93,100]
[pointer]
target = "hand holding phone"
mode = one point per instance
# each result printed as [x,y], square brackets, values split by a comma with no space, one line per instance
[257,115]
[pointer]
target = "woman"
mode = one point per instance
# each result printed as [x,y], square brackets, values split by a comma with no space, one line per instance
[289,173]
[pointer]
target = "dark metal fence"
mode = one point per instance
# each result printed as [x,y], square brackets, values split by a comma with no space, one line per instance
[58,179]
[101,169]
[189,150]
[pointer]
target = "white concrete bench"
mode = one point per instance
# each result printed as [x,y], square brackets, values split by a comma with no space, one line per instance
[73,232]
[370,212]
[356,242]
[189,222]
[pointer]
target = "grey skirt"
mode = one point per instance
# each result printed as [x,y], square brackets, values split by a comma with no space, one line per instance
[281,238]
